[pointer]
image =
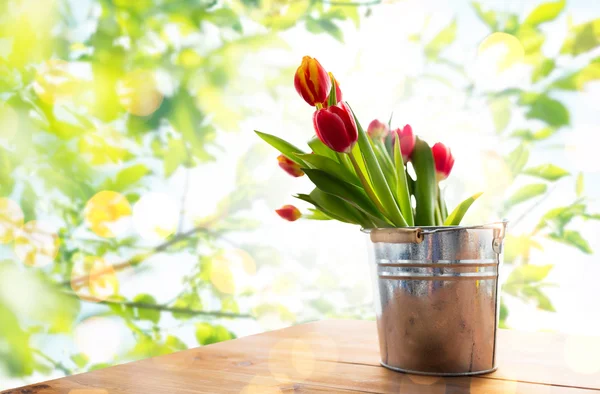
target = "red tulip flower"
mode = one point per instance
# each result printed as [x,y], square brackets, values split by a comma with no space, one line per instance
[336,128]
[312,82]
[444,161]
[289,213]
[407,141]
[289,166]
[377,129]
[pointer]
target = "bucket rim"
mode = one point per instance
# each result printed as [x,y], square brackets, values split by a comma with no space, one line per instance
[500,225]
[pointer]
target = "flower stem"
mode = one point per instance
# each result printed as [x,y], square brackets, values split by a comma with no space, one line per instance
[365,183]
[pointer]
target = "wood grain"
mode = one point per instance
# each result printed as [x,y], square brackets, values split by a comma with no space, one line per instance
[325,357]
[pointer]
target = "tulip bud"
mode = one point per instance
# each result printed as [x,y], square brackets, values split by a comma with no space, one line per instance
[312,82]
[289,166]
[336,128]
[289,213]
[407,141]
[338,91]
[377,129]
[444,161]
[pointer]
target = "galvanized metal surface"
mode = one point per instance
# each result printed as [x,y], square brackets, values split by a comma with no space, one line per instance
[437,300]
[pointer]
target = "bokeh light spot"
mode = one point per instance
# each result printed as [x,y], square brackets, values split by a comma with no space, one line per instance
[11,219]
[54,82]
[36,244]
[98,338]
[232,270]
[292,360]
[501,51]
[261,385]
[88,391]
[93,279]
[582,353]
[138,93]
[105,213]
[155,216]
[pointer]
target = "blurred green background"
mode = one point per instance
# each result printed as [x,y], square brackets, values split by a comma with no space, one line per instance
[136,205]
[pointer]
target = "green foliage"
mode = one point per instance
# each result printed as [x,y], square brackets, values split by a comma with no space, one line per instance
[545,12]
[442,40]
[207,334]
[546,109]
[114,100]
[526,193]
[459,212]
[549,172]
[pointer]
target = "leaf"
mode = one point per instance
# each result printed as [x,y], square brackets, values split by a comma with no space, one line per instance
[526,193]
[282,146]
[426,184]
[560,217]
[129,177]
[207,334]
[380,185]
[545,12]
[402,185]
[549,172]
[187,301]
[501,113]
[543,69]
[540,135]
[324,25]
[579,185]
[174,156]
[147,314]
[488,17]
[529,273]
[320,148]
[459,212]
[532,40]
[332,167]
[517,159]
[175,343]
[541,299]
[582,38]
[519,247]
[329,214]
[337,207]
[442,40]
[546,109]
[80,359]
[578,80]
[573,238]
[347,192]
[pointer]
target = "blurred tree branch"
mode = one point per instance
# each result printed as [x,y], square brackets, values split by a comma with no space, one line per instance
[158,307]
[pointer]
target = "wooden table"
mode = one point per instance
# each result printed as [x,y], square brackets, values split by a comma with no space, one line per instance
[332,357]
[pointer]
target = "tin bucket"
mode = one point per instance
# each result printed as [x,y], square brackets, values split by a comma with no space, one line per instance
[436,297]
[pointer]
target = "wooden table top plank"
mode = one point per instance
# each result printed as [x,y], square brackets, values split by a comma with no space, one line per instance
[319,357]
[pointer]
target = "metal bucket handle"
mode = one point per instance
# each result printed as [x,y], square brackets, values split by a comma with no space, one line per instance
[403,235]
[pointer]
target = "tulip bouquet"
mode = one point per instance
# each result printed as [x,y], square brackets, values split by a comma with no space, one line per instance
[362,177]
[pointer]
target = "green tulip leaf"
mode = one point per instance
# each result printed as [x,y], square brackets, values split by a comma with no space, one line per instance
[330,166]
[319,148]
[459,212]
[425,185]
[282,146]
[402,192]
[346,191]
[342,218]
[380,186]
